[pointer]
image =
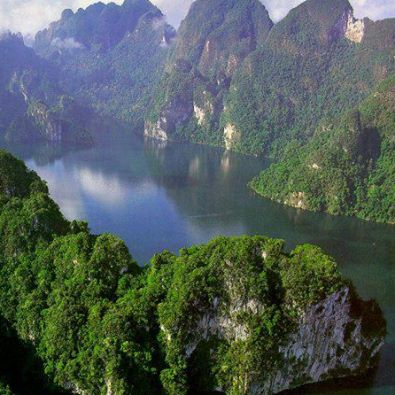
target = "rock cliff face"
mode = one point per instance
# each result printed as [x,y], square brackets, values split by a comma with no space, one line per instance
[355,29]
[240,315]
[232,69]
[43,123]
[276,95]
[340,336]
[259,314]
[176,113]
[332,340]
[297,200]
[34,107]
[231,136]
[50,128]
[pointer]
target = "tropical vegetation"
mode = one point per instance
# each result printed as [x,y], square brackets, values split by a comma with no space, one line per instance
[99,323]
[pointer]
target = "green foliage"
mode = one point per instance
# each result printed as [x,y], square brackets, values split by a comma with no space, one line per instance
[98,322]
[304,73]
[348,168]
[16,180]
[21,370]
[258,310]
[273,88]
[212,42]
[4,388]
[97,25]
[310,275]
[101,324]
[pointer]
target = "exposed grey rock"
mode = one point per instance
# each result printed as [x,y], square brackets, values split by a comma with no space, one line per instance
[51,128]
[340,336]
[204,61]
[333,340]
[231,136]
[171,118]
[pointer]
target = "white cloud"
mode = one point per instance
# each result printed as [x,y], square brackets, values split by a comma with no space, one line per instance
[374,9]
[279,8]
[29,16]
[67,44]
[62,188]
[175,10]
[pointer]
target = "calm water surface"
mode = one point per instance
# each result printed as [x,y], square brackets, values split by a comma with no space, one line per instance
[159,196]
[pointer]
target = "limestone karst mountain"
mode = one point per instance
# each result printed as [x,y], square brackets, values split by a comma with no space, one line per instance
[109,56]
[213,40]
[317,63]
[238,315]
[33,107]
[275,83]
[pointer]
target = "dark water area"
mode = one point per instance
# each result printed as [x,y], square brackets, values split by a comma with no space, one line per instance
[159,196]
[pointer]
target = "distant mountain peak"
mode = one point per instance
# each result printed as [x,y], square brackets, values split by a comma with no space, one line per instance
[99,25]
[10,36]
[67,13]
[213,41]
[323,21]
[213,27]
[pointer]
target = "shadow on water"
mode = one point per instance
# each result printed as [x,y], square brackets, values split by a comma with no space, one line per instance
[43,154]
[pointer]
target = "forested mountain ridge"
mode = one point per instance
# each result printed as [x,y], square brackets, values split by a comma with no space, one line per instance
[213,40]
[229,78]
[101,25]
[236,314]
[239,315]
[347,168]
[109,56]
[316,62]
[32,105]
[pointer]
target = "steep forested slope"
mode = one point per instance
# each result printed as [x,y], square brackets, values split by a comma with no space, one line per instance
[212,42]
[235,80]
[347,168]
[317,62]
[109,55]
[32,106]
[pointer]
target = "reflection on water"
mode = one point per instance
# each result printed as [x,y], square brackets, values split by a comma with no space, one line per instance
[157,195]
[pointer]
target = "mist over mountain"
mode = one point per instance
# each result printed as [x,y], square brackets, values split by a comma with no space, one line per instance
[33,107]
[109,55]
